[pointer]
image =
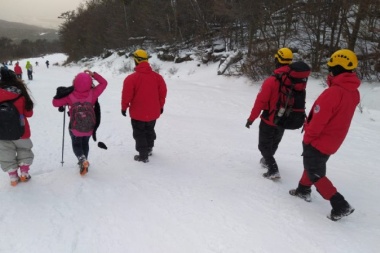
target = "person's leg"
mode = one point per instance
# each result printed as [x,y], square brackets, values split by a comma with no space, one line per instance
[77,147]
[25,157]
[8,160]
[266,145]
[150,135]
[139,134]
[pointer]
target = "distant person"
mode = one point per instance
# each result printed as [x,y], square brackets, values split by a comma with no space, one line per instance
[81,98]
[326,128]
[47,64]
[29,69]
[36,63]
[270,135]
[144,93]
[18,70]
[15,143]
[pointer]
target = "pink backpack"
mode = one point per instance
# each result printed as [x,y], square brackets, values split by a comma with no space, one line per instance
[82,115]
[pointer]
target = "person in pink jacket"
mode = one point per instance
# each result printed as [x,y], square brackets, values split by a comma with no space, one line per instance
[326,128]
[16,153]
[82,91]
[144,93]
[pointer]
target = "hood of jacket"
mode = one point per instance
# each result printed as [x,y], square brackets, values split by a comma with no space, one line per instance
[143,67]
[348,81]
[82,82]
[9,93]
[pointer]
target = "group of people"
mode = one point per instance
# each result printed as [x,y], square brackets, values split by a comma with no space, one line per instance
[144,93]
[325,128]
[18,70]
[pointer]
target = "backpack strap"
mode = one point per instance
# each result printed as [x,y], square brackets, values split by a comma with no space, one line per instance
[13,100]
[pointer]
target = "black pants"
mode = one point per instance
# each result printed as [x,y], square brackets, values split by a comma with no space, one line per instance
[269,139]
[30,75]
[80,145]
[314,162]
[144,135]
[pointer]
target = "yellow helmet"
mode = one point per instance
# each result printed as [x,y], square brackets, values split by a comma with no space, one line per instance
[140,56]
[345,58]
[284,55]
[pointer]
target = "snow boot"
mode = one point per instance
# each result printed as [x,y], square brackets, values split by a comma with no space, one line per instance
[150,151]
[302,192]
[141,158]
[273,172]
[83,165]
[340,207]
[24,177]
[13,175]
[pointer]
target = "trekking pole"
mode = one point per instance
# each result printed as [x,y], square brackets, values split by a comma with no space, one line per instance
[63,136]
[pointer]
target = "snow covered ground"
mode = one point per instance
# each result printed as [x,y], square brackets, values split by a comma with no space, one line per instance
[201,192]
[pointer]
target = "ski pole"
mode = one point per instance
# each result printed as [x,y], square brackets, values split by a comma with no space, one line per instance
[63,136]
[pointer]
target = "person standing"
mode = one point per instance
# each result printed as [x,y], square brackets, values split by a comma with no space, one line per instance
[47,63]
[144,93]
[270,134]
[16,154]
[29,69]
[18,70]
[81,98]
[326,128]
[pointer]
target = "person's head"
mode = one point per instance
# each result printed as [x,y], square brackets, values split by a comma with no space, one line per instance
[8,78]
[343,60]
[140,56]
[82,82]
[284,56]
[7,75]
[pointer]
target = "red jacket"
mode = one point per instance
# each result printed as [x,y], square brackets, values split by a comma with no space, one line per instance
[330,117]
[144,93]
[82,86]
[20,105]
[267,98]
[17,69]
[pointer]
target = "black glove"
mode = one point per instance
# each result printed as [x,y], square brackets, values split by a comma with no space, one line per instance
[162,110]
[61,109]
[124,113]
[248,124]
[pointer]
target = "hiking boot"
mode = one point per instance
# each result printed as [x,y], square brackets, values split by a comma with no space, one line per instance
[150,151]
[273,175]
[140,158]
[14,177]
[84,167]
[25,178]
[340,213]
[340,207]
[263,163]
[305,195]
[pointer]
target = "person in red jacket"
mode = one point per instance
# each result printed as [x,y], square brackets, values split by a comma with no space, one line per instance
[144,93]
[18,70]
[326,128]
[16,154]
[81,91]
[270,134]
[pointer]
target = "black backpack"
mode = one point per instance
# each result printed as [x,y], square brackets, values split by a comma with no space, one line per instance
[290,108]
[12,124]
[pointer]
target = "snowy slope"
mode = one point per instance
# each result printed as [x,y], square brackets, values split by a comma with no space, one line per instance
[201,192]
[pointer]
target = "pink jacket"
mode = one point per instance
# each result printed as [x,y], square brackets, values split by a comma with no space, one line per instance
[82,86]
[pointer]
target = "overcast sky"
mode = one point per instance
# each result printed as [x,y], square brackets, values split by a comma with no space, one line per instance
[43,13]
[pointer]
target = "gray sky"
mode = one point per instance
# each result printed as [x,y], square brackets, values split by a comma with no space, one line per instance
[36,12]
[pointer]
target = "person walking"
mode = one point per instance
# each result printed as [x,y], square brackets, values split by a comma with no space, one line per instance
[29,69]
[81,98]
[326,128]
[144,93]
[47,63]
[270,134]
[15,150]
[18,70]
